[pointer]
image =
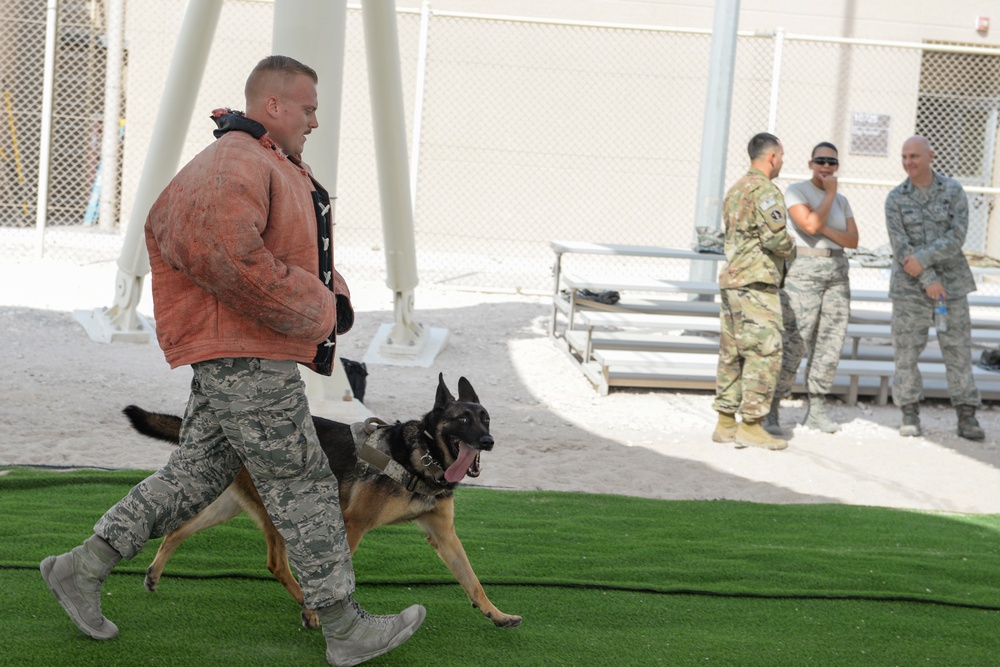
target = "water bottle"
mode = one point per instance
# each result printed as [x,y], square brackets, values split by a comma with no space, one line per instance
[941,316]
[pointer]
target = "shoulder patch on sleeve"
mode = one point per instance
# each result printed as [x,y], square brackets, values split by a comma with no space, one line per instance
[776,215]
[768,203]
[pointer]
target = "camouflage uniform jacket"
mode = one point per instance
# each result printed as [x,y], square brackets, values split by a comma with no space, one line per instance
[932,229]
[757,241]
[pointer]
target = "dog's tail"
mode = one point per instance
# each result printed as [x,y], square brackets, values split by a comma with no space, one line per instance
[153,424]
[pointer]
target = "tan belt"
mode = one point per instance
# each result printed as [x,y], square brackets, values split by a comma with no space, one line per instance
[806,251]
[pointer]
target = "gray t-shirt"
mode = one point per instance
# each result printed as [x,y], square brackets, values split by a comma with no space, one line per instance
[805,192]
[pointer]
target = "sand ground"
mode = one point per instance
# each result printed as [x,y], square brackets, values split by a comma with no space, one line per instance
[62,396]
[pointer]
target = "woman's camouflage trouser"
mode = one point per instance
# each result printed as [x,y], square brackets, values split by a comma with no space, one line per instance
[816,307]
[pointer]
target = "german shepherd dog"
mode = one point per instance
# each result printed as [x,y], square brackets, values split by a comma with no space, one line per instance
[432,454]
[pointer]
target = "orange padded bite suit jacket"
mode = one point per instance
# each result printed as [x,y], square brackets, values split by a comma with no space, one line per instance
[235,246]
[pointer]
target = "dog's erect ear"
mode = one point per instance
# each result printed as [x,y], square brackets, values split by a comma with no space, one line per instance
[444,396]
[466,394]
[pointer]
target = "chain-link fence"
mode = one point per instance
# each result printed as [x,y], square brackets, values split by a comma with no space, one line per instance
[528,130]
[23,37]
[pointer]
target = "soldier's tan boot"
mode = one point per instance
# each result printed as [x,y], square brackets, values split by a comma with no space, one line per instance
[75,578]
[752,434]
[725,429]
[354,636]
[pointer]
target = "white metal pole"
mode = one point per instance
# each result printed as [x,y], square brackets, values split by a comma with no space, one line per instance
[314,33]
[112,113]
[418,100]
[715,129]
[772,113]
[45,135]
[121,321]
[386,88]
[405,340]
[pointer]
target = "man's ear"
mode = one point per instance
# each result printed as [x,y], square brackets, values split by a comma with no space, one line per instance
[271,106]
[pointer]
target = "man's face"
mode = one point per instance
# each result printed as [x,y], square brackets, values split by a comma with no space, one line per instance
[917,158]
[295,115]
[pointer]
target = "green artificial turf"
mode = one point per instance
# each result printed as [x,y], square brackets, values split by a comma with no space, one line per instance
[599,580]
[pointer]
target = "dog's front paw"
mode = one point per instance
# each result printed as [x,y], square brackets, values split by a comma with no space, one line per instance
[151,580]
[310,621]
[502,620]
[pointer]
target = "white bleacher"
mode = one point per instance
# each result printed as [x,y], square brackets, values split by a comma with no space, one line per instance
[664,333]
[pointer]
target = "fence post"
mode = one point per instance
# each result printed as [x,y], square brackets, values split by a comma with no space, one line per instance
[772,112]
[45,136]
[112,114]
[418,100]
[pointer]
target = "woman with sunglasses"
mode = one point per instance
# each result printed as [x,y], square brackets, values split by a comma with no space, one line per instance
[817,295]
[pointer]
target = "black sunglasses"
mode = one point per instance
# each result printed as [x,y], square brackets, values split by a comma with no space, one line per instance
[831,161]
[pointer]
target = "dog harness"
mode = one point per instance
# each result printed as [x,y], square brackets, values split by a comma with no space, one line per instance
[372,448]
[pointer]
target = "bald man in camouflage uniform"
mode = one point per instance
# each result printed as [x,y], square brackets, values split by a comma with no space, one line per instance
[757,246]
[927,217]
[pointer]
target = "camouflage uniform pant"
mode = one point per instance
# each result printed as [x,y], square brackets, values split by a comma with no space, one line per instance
[815,305]
[912,316]
[749,350]
[249,412]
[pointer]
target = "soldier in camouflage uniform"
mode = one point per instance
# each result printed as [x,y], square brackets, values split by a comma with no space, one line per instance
[757,247]
[816,298]
[244,289]
[927,216]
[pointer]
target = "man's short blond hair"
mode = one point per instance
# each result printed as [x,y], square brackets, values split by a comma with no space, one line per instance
[270,72]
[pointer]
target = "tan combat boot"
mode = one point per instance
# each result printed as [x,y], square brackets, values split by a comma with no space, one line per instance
[752,434]
[354,636]
[76,577]
[725,429]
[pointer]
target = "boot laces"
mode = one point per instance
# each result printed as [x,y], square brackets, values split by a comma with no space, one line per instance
[371,619]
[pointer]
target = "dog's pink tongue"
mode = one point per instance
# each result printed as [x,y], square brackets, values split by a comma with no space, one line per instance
[457,470]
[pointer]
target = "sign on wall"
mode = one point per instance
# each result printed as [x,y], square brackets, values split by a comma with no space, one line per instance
[870,133]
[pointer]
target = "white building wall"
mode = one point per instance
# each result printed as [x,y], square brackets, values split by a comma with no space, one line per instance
[897,20]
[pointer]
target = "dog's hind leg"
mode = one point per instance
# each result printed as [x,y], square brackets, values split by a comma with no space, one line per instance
[224,508]
[439,524]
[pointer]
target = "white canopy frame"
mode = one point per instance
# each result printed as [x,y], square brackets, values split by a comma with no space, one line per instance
[313,31]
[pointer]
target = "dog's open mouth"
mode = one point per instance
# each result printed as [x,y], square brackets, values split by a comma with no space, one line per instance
[466,463]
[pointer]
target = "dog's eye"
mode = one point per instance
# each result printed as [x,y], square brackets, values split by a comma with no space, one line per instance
[463,419]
